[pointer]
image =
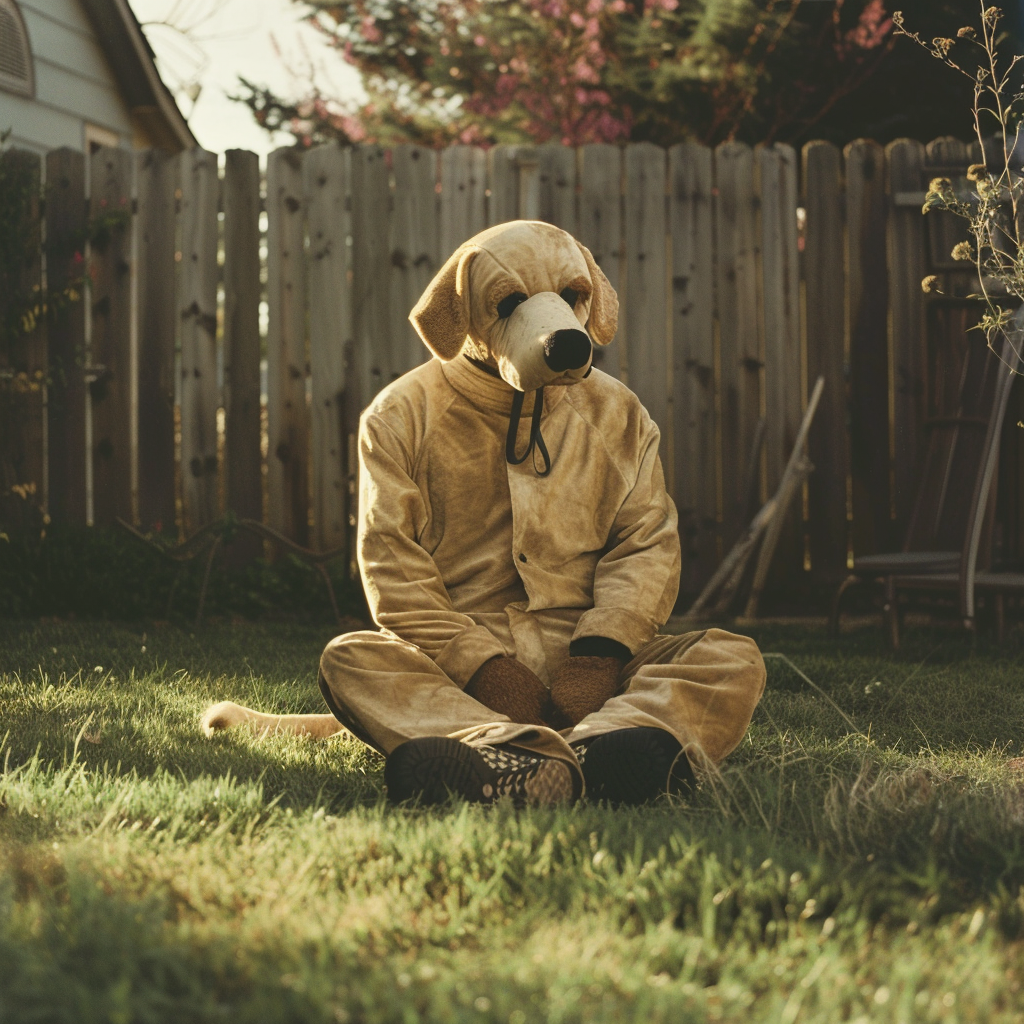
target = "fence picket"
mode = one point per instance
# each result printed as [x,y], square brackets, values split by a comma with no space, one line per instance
[600,228]
[739,341]
[693,375]
[556,186]
[906,240]
[23,366]
[197,309]
[156,180]
[463,196]
[110,353]
[828,441]
[65,409]
[867,282]
[502,184]
[287,415]
[326,177]
[645,325]
[243,462]
[778,174]
[372,313]
[415,250]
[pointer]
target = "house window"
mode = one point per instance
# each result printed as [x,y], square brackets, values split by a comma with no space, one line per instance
[15,54]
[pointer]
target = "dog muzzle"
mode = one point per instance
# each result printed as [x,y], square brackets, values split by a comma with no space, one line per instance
[541,343]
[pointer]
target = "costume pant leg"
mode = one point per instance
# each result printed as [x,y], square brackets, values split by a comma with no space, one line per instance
[387,691]
[702,687]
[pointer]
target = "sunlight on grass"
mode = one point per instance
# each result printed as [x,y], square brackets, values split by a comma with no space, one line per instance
[860,857]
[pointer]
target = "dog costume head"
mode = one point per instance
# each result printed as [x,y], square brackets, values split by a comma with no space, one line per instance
[523,297]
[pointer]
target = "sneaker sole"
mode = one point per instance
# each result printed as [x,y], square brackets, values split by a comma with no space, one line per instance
[432,769]
[631,766]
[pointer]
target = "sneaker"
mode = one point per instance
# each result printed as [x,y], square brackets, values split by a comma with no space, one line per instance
[434,768]
[633,766]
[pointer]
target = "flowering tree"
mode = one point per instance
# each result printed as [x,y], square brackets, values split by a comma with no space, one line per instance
[577,71]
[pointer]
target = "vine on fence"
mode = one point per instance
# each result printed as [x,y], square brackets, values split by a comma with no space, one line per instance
[25,307]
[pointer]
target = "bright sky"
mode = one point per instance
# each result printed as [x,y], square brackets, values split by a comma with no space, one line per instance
[215,41]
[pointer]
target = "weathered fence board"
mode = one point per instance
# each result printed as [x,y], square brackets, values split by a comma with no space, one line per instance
[784,398]
[65,268]
[197,310]
[740,345]
[600,226]
[288,418]
[463,196]
[867,284]
[691,173]
[110,348]
[646,271]
[415,247]
[23,361]
[556,186]
[326,174]
[373,318]
[825,313]
[243,472]
[503,184]
[906,263]
[156,181]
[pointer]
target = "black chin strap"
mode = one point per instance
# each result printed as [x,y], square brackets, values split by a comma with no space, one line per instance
[535,439]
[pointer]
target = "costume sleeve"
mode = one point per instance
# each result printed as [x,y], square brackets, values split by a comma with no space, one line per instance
[403,586]
[637,578]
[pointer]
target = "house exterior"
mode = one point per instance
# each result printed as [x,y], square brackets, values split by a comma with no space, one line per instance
[79,73]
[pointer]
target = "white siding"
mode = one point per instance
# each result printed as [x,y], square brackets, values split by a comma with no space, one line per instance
[74,83]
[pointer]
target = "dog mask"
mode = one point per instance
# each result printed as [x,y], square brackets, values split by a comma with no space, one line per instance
[524,297]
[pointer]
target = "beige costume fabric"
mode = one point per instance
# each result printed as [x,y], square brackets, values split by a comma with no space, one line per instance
[465,556]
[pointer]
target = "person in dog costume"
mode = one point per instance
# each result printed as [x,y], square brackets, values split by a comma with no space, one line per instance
[519,552]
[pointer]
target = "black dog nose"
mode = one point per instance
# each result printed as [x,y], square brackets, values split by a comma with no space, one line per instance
[567,349]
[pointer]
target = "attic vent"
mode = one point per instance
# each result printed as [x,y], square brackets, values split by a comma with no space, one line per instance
[15,54]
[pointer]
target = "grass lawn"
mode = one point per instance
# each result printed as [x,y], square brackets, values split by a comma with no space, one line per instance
[860,859]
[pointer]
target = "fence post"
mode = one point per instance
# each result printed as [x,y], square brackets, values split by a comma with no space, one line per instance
[155,175]
[23,364]
[824,281]
[778,177]
[646,334]
[739,341]
[65,267]
[868,306]
[600,229]
[197,309]
[243,464]
[110,349]
[503,184]
[287,417]
[326,175]
[693,373]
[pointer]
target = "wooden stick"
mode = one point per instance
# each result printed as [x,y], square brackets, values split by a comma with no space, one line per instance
[729,574]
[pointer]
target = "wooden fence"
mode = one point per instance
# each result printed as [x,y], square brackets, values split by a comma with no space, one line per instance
[743,273]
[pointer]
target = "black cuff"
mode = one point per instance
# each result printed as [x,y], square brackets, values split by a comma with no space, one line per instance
[599,647]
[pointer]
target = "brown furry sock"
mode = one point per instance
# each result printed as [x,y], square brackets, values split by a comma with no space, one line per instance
[583,686]
[510,688]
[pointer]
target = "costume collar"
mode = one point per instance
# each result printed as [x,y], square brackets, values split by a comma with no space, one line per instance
[489,392]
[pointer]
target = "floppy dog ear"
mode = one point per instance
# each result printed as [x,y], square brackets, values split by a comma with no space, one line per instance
[603,321]
[441,316]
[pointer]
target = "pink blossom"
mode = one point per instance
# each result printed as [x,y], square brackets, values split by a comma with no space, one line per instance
[594,6]
[369,31]
[577,19]
[872,28]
